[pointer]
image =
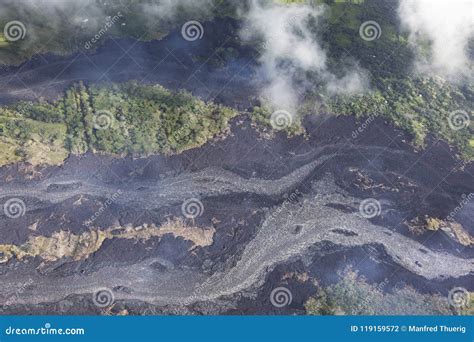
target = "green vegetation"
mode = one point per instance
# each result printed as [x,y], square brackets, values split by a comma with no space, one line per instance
[33,141]
[124,118]
[419,105]
[288,122]
[353,295]
[389,55]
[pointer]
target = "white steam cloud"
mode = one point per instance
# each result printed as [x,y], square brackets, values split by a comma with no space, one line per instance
[290,51]
[447,25]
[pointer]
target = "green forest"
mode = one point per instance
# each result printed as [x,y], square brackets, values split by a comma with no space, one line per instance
[418,105]
[149,119]
[121,119]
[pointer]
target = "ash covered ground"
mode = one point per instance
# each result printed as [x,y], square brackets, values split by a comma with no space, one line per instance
[217,229]
[279,207]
